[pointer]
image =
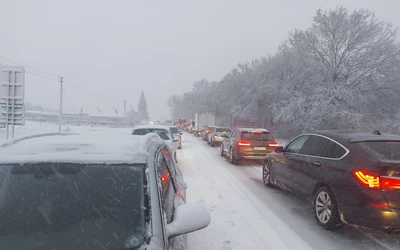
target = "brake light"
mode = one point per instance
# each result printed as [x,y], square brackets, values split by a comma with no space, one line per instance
[256,132]
[165,177]
[368,179]
[388,184]
[244,143]
[273,144]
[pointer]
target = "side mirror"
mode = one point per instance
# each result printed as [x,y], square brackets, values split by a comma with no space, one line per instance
[175,139]
[188,218]
[181,132]
[279,149]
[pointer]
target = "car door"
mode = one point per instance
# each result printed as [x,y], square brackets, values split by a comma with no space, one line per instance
[166,191]
[228,141]
[282,162]
[307,164]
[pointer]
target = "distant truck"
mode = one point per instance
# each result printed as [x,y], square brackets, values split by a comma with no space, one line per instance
[203,119]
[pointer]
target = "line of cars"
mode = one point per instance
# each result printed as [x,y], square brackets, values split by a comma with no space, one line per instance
[348,177]
[70,191]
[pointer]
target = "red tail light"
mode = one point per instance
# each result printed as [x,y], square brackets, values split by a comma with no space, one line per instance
[215,135]
[368,179]
[389,184]
[273,144]
[244,143]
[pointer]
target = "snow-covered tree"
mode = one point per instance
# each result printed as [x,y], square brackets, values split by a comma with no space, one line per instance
[142,107]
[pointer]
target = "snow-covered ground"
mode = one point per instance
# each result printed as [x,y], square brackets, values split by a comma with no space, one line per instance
[244,213]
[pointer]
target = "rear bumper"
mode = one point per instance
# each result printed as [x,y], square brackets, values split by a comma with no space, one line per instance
[374,217]
[253,157]
[252,154]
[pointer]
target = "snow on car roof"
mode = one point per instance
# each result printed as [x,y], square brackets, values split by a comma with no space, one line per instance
[150,126]
[96,148]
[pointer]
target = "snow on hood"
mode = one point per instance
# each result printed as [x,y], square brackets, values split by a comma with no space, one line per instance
[100,148]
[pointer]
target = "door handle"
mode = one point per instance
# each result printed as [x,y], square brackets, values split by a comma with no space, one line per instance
[317,163]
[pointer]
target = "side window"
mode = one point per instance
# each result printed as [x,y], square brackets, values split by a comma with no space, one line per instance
[314,145]
[232,135]
[167,192]
[296,145]
[333,150]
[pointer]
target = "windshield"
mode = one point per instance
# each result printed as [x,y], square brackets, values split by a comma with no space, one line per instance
[251,136]
[161,132]
[388,150]
[174,130]
[226,130]
[67,206]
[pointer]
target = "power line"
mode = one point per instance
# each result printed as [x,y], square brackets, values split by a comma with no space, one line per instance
[90,91]
[41,75]
[52,76]
[28,67]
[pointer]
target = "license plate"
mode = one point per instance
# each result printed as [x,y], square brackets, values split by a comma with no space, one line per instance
[259,148]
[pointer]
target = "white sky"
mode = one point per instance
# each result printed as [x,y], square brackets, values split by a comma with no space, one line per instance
[116,48]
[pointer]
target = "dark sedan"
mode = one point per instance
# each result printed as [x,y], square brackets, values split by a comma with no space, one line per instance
[347,176]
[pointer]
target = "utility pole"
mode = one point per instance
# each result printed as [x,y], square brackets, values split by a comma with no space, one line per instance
[61,104]
[125,111]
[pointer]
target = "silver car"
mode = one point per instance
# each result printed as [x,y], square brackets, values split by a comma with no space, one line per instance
[217,135]
[70,191]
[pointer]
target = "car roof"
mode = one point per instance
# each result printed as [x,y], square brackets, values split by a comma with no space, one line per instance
[358,136]
[151,126]
[96,148]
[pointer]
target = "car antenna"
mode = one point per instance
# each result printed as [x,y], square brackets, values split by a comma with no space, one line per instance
[376,132]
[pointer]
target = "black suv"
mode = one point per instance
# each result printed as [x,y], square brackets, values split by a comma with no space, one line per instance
[347,176]
[248,143]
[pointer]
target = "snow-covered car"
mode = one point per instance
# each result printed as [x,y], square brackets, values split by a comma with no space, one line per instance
[70,191]
[217,135]
[176,133]
[163,131]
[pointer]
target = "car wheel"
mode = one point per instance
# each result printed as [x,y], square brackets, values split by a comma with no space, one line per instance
[231,157]
[267,174]
[326,209]
[221,150]
[211,143]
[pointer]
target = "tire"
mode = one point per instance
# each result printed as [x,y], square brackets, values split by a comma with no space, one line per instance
[221,150]
[326,209]
[231,157]
[212,143]
[267,174]
[176,159]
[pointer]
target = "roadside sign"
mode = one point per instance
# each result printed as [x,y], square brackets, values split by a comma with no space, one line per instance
[12,97]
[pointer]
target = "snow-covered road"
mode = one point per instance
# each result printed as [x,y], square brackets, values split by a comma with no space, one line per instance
[248,215]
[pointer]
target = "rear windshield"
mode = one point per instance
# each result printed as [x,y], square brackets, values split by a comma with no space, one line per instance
[389,150]
[256,136]
[174,130]
[70,206]
[226,130]
[161,132]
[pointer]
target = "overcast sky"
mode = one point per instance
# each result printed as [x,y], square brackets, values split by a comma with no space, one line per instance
[116,48]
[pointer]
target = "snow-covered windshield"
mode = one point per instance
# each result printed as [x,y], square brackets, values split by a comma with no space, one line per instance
[226,130]
[251,136]
[69,206]
[144,131]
